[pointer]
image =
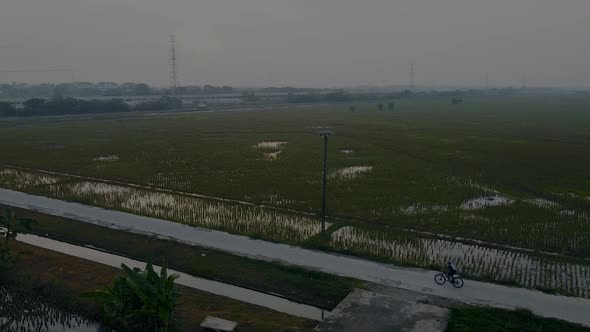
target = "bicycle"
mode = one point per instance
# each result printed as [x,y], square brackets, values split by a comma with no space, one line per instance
[441,278]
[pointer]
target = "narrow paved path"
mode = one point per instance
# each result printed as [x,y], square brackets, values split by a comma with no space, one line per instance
[234,292]
[566,308]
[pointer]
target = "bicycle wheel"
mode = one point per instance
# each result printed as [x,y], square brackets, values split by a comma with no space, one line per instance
[440,279]
[457,282]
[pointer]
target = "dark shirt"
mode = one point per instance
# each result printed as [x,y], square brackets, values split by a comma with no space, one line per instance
[452,269]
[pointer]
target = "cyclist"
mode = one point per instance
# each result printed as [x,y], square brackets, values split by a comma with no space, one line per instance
[451,270]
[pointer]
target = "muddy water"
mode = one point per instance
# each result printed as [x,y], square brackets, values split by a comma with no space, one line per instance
[482,202]
[24,311]
[352,172]
[270,145]
[110,158]
[241,294]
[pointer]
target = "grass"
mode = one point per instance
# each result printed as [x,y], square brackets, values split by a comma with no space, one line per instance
[476,319]
[43,269]
[297,284]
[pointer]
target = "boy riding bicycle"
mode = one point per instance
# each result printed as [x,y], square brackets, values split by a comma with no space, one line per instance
[451,270]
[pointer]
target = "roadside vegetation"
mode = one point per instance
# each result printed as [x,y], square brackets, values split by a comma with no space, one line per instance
[46,290]
[477,319]
[140,300]
[27,303]
[296,284]
[60,280]
[10,226]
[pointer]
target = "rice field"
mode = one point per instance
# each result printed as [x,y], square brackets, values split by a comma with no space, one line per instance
[167,180]
[504,172]
[272,155]
[195,211]
[106,158]
[351,172]
[16,179]
[270,145]
[515,267]
[526,269]
[531,224]
[482,202]
[271,150]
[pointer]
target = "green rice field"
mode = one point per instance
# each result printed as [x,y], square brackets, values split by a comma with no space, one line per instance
[494,183]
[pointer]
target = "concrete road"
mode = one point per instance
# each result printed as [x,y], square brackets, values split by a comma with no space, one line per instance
[365,310]
[566,308]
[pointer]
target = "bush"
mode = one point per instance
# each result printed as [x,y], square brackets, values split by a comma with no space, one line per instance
[140,300]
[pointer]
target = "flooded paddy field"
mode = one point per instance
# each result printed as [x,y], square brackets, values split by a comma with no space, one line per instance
[519,268]
[23,311]
[487,261]
[507,171]
[195,211]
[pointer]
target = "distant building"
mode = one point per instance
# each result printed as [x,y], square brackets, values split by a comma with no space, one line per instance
[104,86]
[129,87]
[85,85]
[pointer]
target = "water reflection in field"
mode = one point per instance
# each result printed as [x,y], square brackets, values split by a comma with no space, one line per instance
[23,311]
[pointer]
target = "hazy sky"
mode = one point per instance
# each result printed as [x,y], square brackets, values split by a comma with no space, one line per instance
[298,42]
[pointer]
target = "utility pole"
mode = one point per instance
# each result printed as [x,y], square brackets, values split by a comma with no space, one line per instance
[487,81]
[173,66]
[325,135]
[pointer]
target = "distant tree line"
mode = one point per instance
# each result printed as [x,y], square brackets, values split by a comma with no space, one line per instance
[286,89]
[328,97]
[218,89]
[58,105]
[38,106]
[105,89]
[6,109]
[163,103]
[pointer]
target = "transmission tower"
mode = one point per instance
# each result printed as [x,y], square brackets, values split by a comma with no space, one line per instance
[412,73]
[173,66]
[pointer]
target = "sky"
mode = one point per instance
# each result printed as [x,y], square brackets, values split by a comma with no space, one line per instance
[316,43]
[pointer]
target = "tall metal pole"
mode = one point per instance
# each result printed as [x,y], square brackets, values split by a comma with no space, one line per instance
[325,135]
[173,66]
